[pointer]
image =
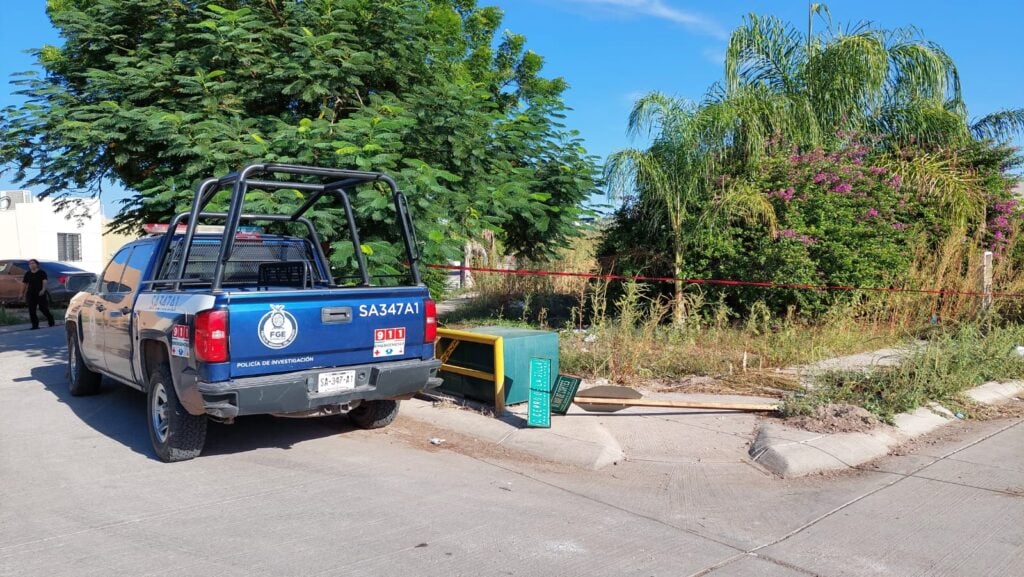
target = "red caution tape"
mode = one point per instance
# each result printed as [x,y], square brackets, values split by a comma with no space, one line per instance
[725,282]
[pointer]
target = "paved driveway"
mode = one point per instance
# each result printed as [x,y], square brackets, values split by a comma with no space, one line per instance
[82,494]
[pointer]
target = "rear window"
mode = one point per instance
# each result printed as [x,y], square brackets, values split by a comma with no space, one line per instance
[11,268]
[53,268]
[80,282]
[243,268]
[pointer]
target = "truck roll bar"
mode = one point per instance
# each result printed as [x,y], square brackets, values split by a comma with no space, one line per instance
[333,182]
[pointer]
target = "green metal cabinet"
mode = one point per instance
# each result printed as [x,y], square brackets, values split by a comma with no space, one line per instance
[520,346]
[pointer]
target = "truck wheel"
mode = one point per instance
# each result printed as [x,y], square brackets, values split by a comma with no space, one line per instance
[81,381]
[374,414]
[176,435]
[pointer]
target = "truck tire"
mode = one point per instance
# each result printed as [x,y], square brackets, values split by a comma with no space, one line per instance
[176,435]
[374,414]
[81,380]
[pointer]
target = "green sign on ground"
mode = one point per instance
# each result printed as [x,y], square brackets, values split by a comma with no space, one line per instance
[563,393]
[539,411]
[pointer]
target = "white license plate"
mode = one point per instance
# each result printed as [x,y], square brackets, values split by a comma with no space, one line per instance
[336,381]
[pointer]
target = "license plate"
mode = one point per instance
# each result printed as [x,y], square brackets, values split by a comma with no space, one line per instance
[336,381]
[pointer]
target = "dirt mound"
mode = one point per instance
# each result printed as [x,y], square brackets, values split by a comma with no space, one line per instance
[836,419]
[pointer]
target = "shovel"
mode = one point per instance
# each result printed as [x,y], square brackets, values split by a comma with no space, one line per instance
[611,398]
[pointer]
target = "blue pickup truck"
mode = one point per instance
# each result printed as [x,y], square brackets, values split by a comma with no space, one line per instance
[246,316]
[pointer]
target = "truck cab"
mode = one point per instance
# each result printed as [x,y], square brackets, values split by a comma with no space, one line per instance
[217,322]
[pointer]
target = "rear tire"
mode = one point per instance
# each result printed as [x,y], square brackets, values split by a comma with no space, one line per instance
[81,380]
[176,434]
[374,414]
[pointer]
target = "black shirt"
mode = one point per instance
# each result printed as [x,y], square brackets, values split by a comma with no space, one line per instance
[35,281]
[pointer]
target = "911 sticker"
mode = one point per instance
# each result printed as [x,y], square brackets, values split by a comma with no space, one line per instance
[388,342]
[179,341]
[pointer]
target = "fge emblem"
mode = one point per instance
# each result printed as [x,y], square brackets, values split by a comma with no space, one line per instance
[278,328]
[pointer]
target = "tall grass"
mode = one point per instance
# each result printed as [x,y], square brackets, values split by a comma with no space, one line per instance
[624,334]
[9,318]
[954,361]
[955,266]
[637,344]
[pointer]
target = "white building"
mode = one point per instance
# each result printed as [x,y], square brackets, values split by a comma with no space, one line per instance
[32,228]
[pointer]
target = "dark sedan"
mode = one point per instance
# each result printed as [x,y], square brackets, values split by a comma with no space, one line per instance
[63,280]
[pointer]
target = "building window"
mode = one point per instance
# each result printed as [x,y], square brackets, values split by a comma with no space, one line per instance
[69,247]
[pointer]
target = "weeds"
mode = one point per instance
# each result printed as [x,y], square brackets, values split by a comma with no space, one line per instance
[627,338]
[952,362]
[9,318]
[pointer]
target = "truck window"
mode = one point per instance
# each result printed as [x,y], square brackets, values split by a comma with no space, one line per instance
[111,282]
[136,267]
[243,266]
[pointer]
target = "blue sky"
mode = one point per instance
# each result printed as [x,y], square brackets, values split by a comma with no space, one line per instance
[611,51]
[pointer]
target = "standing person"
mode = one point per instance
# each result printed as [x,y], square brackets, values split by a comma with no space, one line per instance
[34,293]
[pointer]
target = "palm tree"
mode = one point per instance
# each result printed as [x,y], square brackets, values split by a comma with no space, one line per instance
[1000,126]
[675,174]
[811,89]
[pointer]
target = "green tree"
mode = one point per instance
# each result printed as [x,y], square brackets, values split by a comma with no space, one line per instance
[796,108]
[156,95]
[675,177]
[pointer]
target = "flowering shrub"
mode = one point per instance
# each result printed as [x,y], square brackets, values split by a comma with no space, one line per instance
[843,219]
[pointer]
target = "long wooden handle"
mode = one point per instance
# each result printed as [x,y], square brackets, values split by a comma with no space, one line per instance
[675,404]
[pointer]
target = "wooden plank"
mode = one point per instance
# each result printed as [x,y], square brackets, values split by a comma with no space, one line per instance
[611,392]
[674,404]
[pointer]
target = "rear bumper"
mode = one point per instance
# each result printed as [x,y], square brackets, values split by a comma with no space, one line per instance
[296,392]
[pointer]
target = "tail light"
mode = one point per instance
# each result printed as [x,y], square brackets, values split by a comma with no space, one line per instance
[430,322]
[63,279]
[212,336]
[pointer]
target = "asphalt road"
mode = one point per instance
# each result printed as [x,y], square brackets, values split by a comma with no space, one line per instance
[82,494]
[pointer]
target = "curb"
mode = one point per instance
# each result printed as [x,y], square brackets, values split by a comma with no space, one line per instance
[995,393]
[790,452]
[15,328]
[577,442]
[7,329]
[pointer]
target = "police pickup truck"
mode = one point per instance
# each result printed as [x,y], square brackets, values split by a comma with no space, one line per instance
[240,321]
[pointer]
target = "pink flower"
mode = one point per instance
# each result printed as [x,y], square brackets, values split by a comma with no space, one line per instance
[898,226]
[1005,207]
[785,195]
[871,213]
[877,170]
[807,239]
[821,177]
[842,188]
[895,182]
[787,233]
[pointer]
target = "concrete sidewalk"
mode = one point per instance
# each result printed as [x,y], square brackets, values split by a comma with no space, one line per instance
[595,440]
[573,441]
